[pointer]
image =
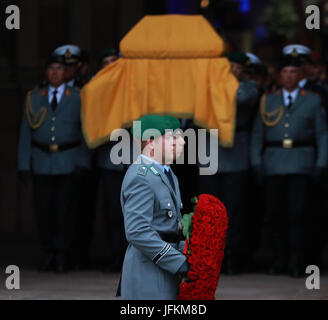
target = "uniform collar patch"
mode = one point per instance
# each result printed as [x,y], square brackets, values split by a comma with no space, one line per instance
[142,171]
[154,171]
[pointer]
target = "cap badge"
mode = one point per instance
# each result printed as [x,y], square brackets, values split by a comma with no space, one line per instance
[294,53]
[68,54]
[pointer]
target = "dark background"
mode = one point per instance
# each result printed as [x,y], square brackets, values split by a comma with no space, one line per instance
[259,26]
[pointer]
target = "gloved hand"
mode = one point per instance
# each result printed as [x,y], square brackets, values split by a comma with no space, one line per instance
[183,270]
[258,172]
[317,174]
[25,177]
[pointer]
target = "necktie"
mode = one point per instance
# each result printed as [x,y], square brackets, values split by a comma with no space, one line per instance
[54,101]
[290,101]
[170,177]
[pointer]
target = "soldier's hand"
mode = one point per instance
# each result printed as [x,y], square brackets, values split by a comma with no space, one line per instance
[183,270]
[318,174]
[25,177]
[258,172]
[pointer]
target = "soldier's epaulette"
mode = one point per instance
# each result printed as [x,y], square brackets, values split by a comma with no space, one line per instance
[34,90]
[313,92]
[142,171]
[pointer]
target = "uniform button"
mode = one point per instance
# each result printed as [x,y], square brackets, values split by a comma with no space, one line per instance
[53,118]
[169,204]
[286,135]
[53,138]
[286,125]
[287,115]
[53,129]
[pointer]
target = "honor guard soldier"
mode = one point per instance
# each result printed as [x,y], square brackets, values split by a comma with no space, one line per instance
[254,218]
[258,72]
[288,148]
[231,180]
[111,176]
[316,236]
[52,148]
[304,53]
[107,56]
[72,59]
[151,204]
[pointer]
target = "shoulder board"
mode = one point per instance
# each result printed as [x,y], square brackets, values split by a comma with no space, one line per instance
[154,171]
[34,90]
[314,93]
[142,171]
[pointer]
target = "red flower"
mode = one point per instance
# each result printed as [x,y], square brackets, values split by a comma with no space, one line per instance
[207,245]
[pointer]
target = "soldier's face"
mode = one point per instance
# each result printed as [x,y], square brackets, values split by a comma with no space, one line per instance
[237,69]
[316,71]
[164,148]
[290,77]
[56,74]
[168,147]
[108,60]
[71,71]
[179,143]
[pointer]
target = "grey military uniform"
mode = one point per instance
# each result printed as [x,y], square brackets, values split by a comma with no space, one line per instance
[150,208]
[303,122]
[60,127]
[236,159]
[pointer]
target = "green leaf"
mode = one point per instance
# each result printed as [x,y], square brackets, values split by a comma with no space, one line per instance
[187,225]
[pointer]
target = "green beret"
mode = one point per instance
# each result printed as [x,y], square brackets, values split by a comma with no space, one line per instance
[107,52]
[239,57]
[157,122]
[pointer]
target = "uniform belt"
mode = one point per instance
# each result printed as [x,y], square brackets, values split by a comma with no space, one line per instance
[172,237]
[53,148]
[289,144]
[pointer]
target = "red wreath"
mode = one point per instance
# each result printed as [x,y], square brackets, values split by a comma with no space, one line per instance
[205,251]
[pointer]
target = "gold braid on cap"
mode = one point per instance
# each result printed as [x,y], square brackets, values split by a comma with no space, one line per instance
[266,116]
[34,119]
